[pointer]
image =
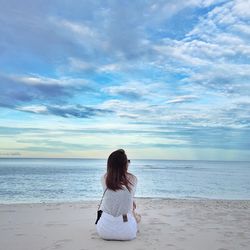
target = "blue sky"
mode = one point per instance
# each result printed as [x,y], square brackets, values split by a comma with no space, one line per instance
[161,79]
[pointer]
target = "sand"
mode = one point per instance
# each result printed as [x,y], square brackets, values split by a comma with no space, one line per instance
[166,224]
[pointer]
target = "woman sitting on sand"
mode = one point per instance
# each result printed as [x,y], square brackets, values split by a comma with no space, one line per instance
[118,220]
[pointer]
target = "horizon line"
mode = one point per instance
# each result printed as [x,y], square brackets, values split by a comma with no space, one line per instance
[149,159]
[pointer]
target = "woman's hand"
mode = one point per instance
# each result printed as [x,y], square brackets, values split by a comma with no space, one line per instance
[134,205]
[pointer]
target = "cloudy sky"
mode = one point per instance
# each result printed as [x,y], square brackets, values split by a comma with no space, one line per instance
[161,79]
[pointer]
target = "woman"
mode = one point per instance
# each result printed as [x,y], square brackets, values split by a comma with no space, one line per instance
[118,220]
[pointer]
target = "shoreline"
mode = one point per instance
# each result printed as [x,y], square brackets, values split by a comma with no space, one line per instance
[136,198]
[174,224]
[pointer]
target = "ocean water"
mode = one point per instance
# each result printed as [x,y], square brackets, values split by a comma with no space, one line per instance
[57,180]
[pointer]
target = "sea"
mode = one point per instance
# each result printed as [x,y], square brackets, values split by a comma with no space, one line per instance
[26,180]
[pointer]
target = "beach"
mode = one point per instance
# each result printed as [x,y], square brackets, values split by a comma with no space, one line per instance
[174,224]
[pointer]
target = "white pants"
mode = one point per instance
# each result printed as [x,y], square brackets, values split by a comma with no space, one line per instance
[114,228]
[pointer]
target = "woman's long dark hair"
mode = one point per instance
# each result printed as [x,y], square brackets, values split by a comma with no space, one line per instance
[117,175]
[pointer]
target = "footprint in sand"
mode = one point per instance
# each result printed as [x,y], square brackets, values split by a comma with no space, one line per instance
[94,236]
[51,209]
[20,234]
[60,243]
[170,245]
[181,238]
[55,224]
[7,228]
[8,211]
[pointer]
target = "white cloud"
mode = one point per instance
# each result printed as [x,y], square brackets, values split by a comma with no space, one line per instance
[243,28]
[38,109]
[241,8]
[81,30]
[178,51]
[215,53]
[34,79]
[181,99]
[112,67]
[207,3]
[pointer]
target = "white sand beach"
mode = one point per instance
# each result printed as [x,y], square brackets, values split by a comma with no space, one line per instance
[166,224]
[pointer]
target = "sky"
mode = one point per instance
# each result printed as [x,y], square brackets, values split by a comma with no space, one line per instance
[160,79]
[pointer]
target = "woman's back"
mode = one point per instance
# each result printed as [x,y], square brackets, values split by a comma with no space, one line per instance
[120,201]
